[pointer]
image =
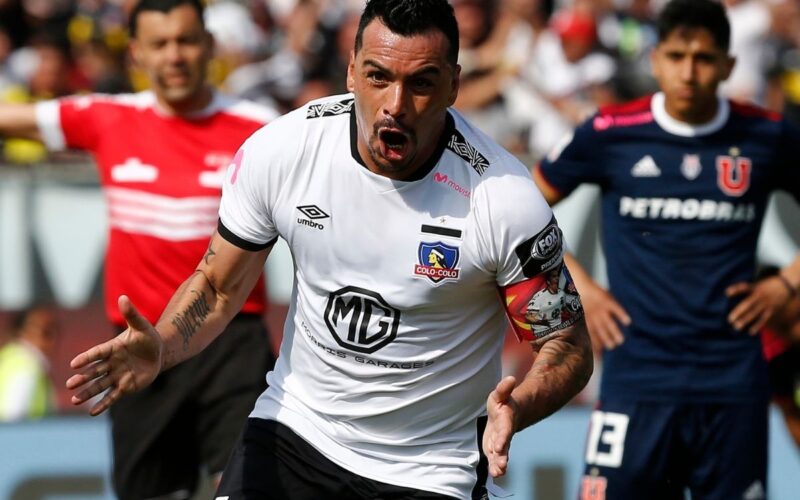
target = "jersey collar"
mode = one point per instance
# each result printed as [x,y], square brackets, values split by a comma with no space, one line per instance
[680,128]
[447,132]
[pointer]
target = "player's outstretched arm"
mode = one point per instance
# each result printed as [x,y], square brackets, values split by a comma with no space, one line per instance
[561,368]
[19,120]
[762,299]
[126,363]
[196,314]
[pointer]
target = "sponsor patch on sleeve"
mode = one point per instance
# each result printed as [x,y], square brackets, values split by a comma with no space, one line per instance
[543,305]
[541,252]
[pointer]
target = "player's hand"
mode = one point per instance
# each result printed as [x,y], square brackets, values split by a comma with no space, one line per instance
[761,300]
[127,363]
[500,426]
[603,316]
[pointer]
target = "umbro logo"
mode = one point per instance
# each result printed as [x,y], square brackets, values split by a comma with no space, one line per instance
[313,213]
[646,167]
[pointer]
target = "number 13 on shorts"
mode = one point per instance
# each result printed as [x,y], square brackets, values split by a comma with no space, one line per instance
[606,442]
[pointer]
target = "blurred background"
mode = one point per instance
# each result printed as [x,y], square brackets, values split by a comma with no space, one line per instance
[531,70]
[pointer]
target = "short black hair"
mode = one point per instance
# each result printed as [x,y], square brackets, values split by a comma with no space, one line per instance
[412,17]
[706,14]
[161,6]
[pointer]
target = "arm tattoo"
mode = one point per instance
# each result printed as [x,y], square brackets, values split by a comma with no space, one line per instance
[209,253]
[551,362]
[192,318]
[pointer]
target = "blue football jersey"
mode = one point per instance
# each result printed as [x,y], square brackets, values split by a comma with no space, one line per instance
[682,207]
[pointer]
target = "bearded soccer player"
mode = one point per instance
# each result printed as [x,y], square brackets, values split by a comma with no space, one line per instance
[161,155]
[685,176]
[388,383]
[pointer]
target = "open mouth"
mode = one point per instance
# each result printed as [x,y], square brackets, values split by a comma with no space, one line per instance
[393,144]
[393,139]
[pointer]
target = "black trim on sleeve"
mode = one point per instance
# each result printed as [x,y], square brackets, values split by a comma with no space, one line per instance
[240,242]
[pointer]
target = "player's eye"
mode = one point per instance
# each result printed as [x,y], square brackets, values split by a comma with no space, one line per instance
[377,77]
[422,84]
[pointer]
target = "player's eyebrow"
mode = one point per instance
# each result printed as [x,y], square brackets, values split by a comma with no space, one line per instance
[430,69]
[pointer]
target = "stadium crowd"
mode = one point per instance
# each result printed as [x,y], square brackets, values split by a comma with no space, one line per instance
[531,69]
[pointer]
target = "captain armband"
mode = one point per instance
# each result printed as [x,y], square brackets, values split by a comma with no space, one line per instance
[542,305]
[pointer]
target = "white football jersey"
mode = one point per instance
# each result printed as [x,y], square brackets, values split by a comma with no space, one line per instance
[393,338]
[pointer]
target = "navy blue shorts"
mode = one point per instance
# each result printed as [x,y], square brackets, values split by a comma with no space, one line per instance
[658,450]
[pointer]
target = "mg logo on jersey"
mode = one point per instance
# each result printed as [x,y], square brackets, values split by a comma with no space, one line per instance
[733,174]
[360,320]
[437,262]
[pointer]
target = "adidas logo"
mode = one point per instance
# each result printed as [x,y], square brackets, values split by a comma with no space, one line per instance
[755,492]
[646,167]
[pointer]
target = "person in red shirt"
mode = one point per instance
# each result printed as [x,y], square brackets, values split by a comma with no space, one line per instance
[161,155]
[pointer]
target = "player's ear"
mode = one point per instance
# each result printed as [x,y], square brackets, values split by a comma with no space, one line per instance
[730,63]
[135,51]
[455,84]
[654,61]
[210,42]
[351,72]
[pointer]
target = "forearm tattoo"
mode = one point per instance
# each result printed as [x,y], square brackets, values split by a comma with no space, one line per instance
[190,320]
[547,363]
[209,253]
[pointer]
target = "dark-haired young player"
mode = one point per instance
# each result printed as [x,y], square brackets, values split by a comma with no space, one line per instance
[161,155]
[685,177]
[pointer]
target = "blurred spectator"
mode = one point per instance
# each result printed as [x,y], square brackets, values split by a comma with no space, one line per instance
[45,71]
[565,79]
[484,75]
[783,90]
[750,24]
[26,390]
[250,67]
[630,33]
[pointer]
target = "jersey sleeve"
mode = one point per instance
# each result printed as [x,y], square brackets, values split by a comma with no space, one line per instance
[519,234]
[70,123]
[253,183]
[574,160]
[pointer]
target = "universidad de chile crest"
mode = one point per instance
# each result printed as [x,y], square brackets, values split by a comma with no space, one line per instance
[437,261]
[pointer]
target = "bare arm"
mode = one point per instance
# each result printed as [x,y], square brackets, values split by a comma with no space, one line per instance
[19,120]
[561,368]
[196,315]
[208,300]
[762,299]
